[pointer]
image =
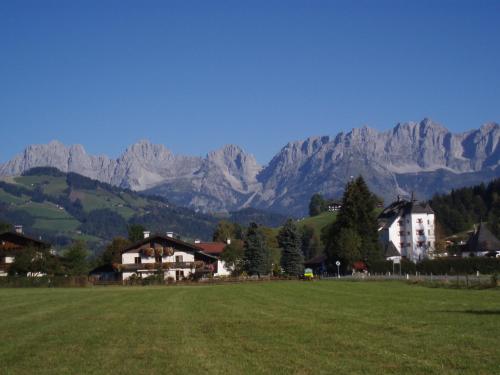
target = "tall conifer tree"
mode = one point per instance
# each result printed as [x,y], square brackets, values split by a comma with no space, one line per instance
[257,257]
[354,234]
[292,260]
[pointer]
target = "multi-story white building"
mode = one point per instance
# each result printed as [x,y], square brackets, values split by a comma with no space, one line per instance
[406,230]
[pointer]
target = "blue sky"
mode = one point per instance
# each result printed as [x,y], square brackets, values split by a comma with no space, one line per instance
[197,75]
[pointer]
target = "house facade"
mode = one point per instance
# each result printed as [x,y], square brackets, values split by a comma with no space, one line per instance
[407,230]
[166,256]
[12,243]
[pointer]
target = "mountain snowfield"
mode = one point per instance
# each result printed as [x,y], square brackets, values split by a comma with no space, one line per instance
[423,157]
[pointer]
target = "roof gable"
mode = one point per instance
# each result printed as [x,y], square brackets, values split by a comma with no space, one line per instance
[212,247]
[166,241]
[14,241]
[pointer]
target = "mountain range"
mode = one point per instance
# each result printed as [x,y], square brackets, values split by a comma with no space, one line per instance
[422,157]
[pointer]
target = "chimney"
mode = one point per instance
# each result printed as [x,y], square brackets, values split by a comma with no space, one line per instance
[170,234]
[228,241]
[146,233]
[197,241]
[18,229]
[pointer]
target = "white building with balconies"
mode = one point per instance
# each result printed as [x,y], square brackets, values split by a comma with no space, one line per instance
[407,230]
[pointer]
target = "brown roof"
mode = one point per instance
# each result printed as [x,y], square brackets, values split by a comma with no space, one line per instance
[13,241]
[483,240]
[183,245]
[214,248]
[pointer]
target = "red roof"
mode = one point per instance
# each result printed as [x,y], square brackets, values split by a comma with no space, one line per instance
[212,247]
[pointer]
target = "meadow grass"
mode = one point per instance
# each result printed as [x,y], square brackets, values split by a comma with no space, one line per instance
[270,328]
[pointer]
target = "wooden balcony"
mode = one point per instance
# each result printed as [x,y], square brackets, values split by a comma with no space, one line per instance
[4,267]
[157,266]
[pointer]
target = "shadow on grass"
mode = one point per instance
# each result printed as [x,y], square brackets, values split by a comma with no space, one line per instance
[474,312]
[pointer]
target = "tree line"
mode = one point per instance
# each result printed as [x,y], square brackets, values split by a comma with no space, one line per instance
[459,210]
[353,237]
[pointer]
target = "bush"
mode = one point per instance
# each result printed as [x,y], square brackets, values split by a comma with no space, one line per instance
[443,266]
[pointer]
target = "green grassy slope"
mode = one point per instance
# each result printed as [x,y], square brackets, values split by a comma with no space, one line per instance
[44,199]
[320,221]
[270,328]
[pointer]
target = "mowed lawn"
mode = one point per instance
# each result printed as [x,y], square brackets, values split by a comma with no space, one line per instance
[325,327]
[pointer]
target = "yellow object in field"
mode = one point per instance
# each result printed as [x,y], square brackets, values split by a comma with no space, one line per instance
[308,273]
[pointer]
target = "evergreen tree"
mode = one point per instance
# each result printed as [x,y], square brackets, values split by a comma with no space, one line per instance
[317,205]
[292,260]
[75,259]
[355,232]
[306,239]
[349,246]
[257,259]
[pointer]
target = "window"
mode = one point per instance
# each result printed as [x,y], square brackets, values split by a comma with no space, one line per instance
[179,274]
[419,221]
[420,232]
[428,222]
[137,260]
[420,243]
[429,243]
[402,244]
[400,222]
[429,232]
[402,233]
[158,258]
[178,259]
[408,233]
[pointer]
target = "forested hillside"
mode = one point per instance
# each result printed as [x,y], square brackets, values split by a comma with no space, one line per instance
[459,210]
[64,206]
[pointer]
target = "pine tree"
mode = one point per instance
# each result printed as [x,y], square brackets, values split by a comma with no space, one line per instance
[354,234]
[257,257]
[292,260]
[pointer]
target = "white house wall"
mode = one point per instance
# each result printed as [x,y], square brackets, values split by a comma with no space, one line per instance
[406,233]
[222,269]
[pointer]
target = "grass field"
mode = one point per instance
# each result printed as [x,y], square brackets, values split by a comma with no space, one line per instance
[273,328]
[320,221]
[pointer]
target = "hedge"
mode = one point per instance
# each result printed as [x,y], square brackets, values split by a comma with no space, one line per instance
[442,266]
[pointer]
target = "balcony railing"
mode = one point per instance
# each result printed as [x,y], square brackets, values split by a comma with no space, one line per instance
[4,267]
[156,266]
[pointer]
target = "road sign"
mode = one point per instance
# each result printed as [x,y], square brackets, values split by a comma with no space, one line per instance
[396,260]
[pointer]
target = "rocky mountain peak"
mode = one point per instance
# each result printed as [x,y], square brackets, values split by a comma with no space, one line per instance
[421,156]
